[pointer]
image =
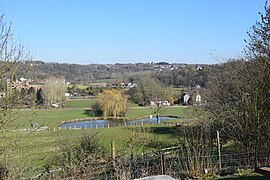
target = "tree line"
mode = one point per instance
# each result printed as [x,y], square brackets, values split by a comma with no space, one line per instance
[171,75]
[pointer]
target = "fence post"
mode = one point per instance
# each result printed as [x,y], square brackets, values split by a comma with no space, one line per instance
[219,153]
[162,163]
[113,155]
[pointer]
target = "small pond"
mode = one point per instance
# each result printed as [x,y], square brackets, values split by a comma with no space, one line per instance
[111,123]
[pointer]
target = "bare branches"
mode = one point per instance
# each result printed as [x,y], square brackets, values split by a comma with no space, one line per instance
[12,53]
[259,36]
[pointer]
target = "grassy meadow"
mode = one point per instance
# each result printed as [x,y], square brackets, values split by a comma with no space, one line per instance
[35,149]
[79,109]
[79,103]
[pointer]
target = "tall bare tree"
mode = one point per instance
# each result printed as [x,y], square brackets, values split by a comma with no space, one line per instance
[259,35]
[54,90]
[13,62]
[12,58]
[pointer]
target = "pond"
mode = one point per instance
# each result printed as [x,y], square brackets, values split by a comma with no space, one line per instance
[110,123]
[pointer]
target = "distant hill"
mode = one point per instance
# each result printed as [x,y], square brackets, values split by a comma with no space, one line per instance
[76,73]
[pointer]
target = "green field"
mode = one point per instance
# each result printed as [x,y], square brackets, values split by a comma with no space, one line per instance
[45,117]
[36,149]
[78,103]
[52,117]
[33,150]
[138,112]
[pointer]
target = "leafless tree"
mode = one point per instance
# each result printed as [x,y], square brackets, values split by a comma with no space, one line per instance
[238,97]
[54,90]
[13,58]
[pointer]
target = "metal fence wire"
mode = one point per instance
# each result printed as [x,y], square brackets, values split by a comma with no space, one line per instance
[174,164]
[170,162]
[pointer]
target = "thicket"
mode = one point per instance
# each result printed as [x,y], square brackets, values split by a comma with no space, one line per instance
[238,96]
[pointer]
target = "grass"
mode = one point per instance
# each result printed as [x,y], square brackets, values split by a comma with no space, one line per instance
[138,112]
[79,86]
[82,87]
[48,117]
[79,103]
[244,175]
[52,117]
[34,150]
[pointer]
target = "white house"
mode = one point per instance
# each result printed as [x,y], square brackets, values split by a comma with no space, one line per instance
[157,103]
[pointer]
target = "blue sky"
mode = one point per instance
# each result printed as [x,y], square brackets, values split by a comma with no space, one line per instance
[130,31]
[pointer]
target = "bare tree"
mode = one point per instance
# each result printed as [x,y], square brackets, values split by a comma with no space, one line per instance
[12,57]
[54,90]
[259,35]
[238,97]
[13,64]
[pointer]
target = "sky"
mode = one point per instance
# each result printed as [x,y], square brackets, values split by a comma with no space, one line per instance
[131,31]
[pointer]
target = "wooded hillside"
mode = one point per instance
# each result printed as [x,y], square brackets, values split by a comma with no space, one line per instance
[167,74]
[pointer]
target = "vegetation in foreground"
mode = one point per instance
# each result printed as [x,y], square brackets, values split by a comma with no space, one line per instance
[36,149]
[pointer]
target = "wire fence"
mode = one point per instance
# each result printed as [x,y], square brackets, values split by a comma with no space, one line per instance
[168,161]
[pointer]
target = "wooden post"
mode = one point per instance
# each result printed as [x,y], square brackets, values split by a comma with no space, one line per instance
[218,151]
[162,163]
[113,154]
[108,125]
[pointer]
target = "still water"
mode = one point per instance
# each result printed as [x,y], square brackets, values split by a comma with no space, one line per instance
[111,123]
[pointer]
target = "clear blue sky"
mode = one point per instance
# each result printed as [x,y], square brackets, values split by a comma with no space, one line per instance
[130,31]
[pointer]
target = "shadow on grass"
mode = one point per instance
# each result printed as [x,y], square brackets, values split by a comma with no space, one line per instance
[90,113]
[162,130]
